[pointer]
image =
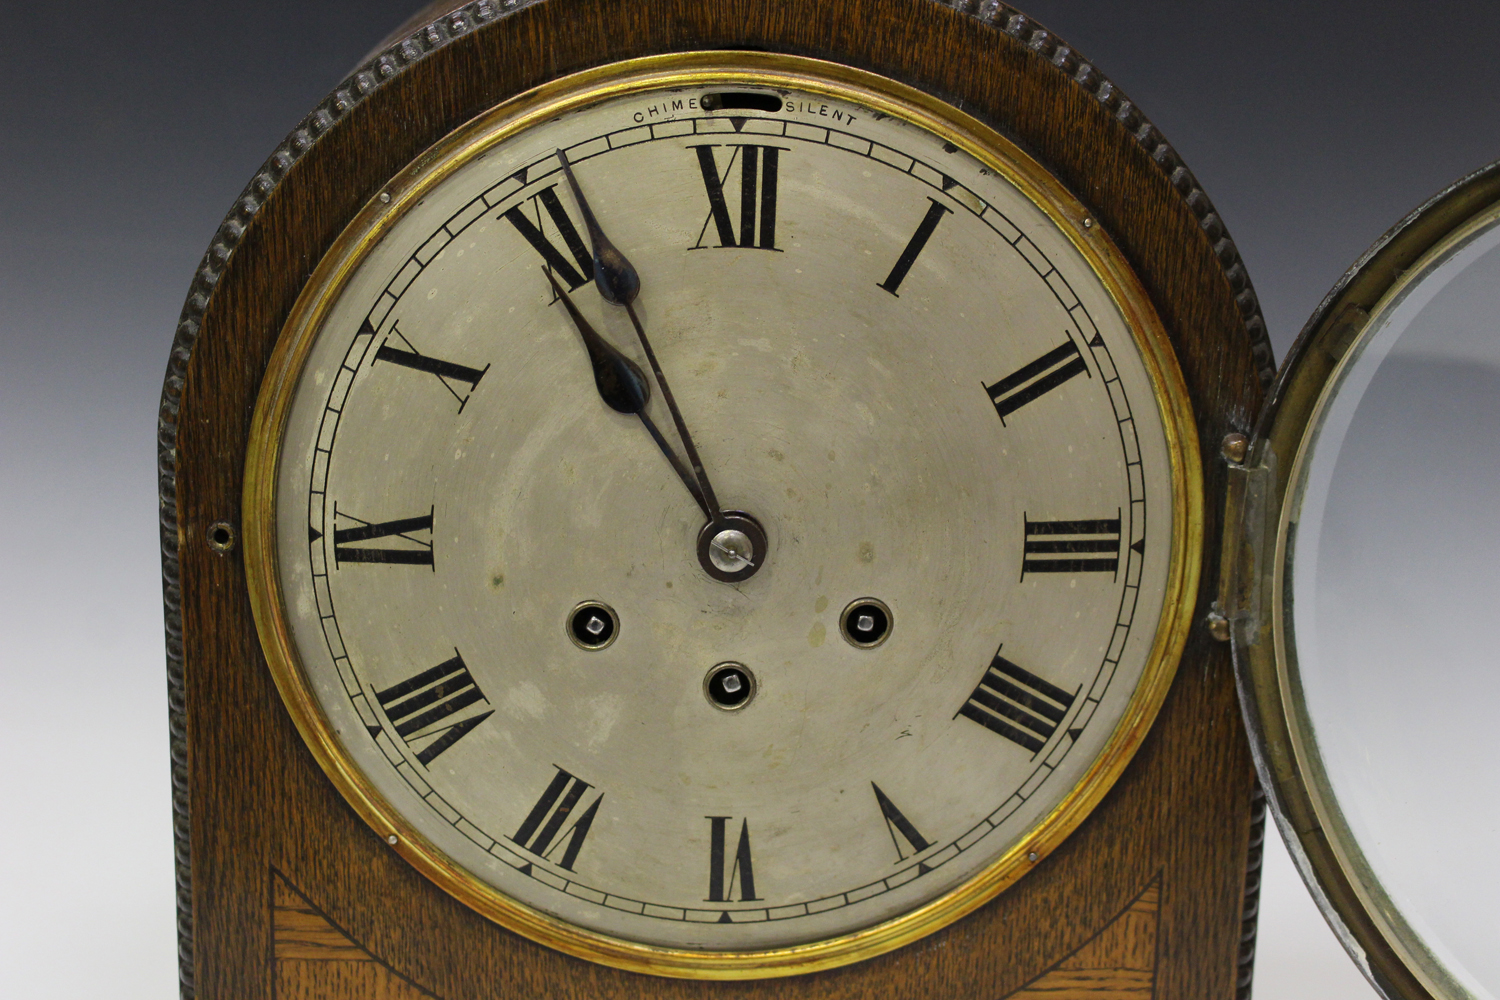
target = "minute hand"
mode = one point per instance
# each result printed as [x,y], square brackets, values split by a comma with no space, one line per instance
[666,394]
[622,385]
[619,283]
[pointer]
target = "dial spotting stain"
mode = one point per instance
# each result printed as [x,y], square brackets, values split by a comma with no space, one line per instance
[816,635]
[604,712]
[526,699]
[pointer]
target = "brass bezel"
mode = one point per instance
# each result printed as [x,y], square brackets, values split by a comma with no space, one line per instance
[1259,551]
[697,69]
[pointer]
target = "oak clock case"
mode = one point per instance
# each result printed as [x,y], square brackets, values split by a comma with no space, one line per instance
[562,779]
[1357,589]
[834,619]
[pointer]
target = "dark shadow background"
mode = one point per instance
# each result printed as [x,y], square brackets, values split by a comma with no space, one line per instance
[127,130]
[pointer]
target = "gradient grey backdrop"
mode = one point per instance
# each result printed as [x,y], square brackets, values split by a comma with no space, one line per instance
[127,130]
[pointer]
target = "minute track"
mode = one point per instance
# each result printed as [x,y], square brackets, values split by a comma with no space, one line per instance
[544,171]
[940,843]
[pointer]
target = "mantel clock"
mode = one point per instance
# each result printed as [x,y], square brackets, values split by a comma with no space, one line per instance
[675,499]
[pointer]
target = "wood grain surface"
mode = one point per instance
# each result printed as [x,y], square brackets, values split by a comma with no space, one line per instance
[315,960]
[250,797]
[1118,963]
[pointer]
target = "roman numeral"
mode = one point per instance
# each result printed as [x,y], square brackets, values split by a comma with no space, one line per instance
[447,372]
[1017,704]
[418,553]
[1036,379]
[925,229]
[545,823]
[532,233]
[416,704]
[759,166]
[896,822]
[1072,546]
[720,888]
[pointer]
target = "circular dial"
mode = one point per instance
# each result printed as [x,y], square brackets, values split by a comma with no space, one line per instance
[723,515]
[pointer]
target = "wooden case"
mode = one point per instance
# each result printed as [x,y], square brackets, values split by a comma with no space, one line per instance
[284,892]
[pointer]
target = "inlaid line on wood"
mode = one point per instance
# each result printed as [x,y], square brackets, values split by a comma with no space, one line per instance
[310,952]
[1118,963]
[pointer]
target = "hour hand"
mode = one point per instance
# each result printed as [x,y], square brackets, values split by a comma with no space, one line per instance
[621,382]
[623,386]
[618,281]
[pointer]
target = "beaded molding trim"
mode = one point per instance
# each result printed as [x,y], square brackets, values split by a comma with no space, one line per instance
[372,74]
[1250,914]
[375,72]
[1034,36]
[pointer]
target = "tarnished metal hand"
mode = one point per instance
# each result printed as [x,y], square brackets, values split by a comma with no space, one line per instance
[623,386]
[619,283]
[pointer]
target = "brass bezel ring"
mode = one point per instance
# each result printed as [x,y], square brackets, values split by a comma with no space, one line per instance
[728,69]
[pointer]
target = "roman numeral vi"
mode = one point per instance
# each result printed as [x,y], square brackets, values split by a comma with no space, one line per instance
[1017,704]
[720,888]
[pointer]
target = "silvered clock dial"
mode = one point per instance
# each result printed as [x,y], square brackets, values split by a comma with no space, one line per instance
[723,515]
